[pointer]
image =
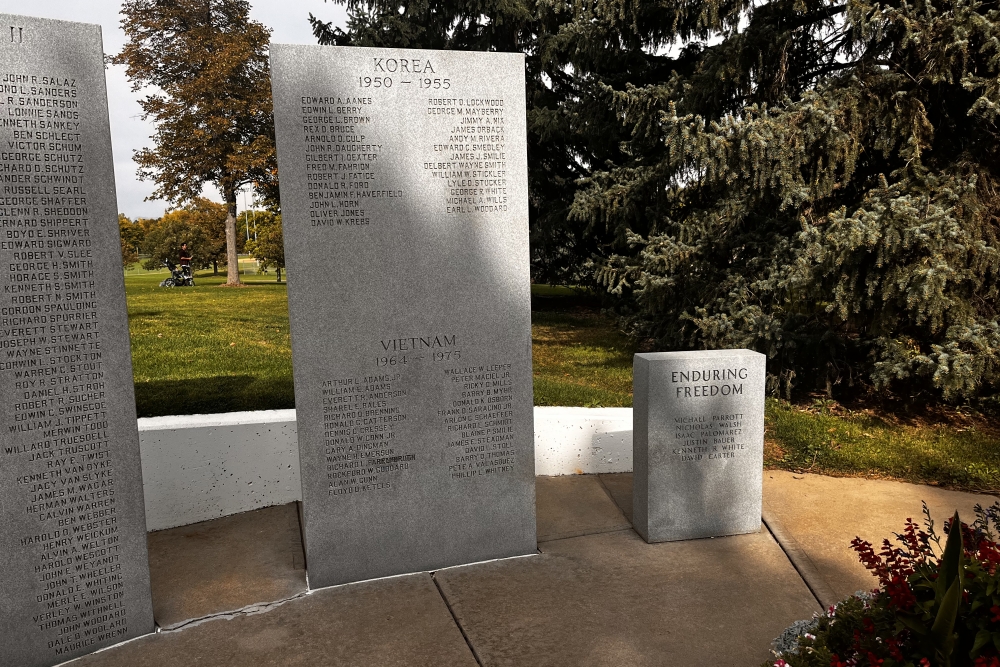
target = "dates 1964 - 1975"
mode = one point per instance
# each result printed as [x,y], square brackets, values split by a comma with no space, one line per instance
[403,359]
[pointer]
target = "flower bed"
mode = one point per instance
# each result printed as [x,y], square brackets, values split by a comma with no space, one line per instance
[933,606]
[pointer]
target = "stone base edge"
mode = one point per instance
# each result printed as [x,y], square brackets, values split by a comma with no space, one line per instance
[201,467]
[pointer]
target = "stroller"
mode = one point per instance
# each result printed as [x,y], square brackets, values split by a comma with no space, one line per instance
[179,276]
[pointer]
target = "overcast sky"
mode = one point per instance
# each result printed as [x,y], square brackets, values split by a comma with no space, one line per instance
[288,20]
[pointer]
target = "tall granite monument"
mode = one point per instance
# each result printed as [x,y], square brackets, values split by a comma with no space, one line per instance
[697,443]
[75,572]
[404,203]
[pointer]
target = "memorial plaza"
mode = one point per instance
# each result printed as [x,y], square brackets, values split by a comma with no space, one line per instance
[761,251]
[232,591]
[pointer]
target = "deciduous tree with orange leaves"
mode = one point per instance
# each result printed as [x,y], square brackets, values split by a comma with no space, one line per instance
[206,62]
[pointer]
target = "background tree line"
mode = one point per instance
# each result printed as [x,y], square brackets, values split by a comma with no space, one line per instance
[202,225]
[204,63]
[813,179]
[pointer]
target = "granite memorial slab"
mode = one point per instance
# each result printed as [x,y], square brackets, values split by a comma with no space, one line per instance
[698,443]
[72,523]
[404,202]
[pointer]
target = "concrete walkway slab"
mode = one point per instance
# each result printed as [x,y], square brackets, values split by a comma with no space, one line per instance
[573,505]
[401,621]
[226,564]
[611,599]
[818,516]
[619,485]
[596,595]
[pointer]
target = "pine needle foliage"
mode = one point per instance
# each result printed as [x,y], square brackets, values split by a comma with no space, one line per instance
[819,185]
[813,179]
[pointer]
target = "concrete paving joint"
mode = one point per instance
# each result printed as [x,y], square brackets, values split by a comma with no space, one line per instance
[800,561]
[458,623]
[249,610]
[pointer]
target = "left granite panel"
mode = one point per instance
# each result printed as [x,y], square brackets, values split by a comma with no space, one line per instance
[72,522]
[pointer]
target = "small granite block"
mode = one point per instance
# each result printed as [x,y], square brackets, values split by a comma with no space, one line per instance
[72,522]
[404,199]
[698,443]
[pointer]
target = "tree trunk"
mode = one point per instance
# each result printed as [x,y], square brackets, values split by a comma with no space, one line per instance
[215,267]
[232,257]
[278,271]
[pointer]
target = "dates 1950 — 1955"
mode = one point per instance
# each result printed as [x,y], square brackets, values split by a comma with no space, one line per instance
[386,82]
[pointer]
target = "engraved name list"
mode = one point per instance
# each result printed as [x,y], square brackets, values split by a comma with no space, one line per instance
[65,470]
[404,192]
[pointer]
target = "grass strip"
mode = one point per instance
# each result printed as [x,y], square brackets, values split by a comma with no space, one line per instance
[964,454]
[580,359]
[207,348]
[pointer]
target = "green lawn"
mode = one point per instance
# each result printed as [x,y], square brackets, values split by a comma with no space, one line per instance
[580,359]
[213,349]
[207,348]
[963,454]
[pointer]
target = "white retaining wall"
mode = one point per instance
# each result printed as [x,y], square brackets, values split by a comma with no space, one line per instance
[574,441]
[200,467]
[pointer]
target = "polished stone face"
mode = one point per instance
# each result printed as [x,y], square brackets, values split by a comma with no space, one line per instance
[698,443]
[72,524]
[404,202]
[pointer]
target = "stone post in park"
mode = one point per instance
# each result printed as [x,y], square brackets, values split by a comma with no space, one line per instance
[404,200]
[698,443]
[72,524]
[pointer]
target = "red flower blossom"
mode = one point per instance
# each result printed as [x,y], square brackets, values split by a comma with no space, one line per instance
[894,651]
[900,593]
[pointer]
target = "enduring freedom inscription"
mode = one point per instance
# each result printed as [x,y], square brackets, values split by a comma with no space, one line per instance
[404,200]
[697,443]
[72,523]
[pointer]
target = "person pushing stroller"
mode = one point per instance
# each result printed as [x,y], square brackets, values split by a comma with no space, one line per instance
[180,273]
[184,259]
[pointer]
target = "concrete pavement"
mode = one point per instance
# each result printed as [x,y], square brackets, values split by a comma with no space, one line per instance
[816,518]
[232,591]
